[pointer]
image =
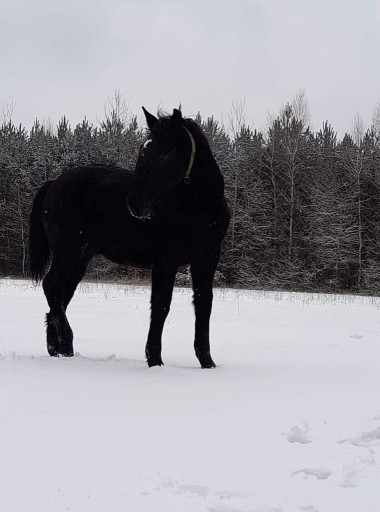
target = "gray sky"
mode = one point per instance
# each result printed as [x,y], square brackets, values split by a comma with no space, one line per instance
[69,56]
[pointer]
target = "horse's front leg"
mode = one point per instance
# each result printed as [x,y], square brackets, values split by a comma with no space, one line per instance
[163,276]
[202,272]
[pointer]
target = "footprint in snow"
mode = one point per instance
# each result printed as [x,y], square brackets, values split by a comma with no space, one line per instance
[217,500]
[350,478]
[299,434]
[203,491]
[241,507]
[356,336]
[319,474]
[352,472]
[365,439]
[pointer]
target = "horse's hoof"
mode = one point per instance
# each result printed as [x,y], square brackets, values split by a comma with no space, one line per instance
[151,365]
[155,362]
[67,353]
[54,352]
[208,365]
[206,361]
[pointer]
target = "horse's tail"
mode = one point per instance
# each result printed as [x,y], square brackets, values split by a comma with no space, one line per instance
[39,248]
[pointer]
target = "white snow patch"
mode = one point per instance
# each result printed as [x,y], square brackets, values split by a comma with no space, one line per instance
[102,431]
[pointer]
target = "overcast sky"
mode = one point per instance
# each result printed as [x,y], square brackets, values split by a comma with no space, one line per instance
[69,56]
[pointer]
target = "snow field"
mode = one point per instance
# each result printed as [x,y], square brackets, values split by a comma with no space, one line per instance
[289,421]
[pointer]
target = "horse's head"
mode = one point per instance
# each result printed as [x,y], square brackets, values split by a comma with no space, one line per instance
[165,161]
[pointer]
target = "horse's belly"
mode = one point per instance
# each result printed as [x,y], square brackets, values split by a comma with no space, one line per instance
[133,258]
[129,247]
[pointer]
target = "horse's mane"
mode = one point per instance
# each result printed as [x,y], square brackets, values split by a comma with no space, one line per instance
[196,131]
[193,127]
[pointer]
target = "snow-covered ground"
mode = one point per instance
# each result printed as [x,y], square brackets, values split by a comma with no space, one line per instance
[289,421]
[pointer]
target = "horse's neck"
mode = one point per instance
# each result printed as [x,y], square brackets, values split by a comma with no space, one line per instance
[206,175]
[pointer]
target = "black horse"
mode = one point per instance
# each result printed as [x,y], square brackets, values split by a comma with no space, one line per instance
[171,211]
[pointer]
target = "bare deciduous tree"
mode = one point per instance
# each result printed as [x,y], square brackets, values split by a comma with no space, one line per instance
[7,111]
[376,118]
[300,108]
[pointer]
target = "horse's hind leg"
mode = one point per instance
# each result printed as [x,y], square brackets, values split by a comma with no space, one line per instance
[59,287]
[59,335]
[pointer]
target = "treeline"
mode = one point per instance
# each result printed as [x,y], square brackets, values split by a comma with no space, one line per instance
[305,206]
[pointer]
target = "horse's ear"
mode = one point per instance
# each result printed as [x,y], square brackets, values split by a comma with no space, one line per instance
[151,120]
[176,117]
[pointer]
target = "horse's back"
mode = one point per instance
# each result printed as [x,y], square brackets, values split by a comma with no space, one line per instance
[79,191]
[86,206]
[88,183]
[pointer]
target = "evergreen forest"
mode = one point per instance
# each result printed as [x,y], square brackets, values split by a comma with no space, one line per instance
[305,204]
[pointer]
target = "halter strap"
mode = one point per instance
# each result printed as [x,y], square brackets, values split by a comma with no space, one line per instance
[186,178]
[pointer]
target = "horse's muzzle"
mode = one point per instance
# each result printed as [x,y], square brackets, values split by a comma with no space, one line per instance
[138,208]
